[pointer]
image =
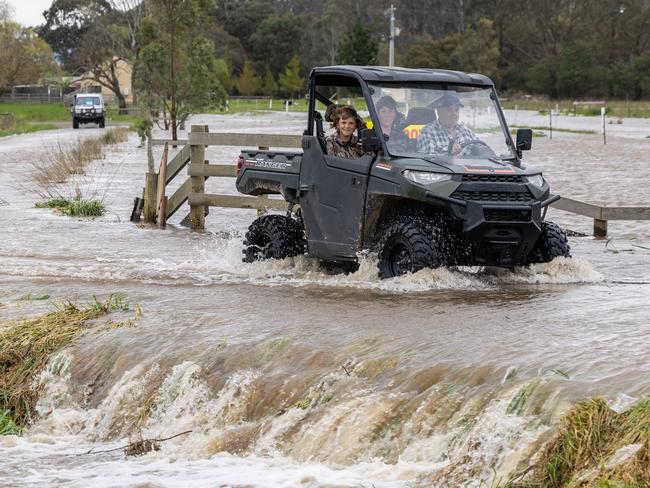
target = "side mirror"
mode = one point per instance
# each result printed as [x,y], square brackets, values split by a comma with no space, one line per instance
[369,140]
[524,140]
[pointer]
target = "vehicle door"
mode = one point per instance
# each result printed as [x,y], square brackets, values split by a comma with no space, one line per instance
[333,189]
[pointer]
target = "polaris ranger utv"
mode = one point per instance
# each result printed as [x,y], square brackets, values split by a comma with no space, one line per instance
[471,203]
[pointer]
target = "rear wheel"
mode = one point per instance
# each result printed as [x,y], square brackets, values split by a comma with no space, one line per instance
[405,246]
[552,243]
[273,237]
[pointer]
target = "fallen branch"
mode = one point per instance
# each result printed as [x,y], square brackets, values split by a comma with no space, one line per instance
[137,448]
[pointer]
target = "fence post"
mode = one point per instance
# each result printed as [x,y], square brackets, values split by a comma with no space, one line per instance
[197,157]
[150,192]
[600,228]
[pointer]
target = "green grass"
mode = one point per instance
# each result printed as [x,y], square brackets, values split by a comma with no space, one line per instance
[32,117]
[557,129]
[25,128]
[589,435]
[299,105]
[75,208]
[7,424]
[26,346]
[37,112]
[615,108]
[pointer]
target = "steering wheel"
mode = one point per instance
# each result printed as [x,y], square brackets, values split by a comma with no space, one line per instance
[468,144]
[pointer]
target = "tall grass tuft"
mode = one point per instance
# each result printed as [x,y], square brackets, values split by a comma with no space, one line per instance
[115,136]
[63,161]
[26,345]
[582,450]
[75,208]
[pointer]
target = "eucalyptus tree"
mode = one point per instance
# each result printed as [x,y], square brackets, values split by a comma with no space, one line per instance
[177,70]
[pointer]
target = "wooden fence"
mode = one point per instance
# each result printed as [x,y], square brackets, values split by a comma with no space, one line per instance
[192,190]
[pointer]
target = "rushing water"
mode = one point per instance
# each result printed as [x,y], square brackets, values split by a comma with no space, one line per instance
[288,376]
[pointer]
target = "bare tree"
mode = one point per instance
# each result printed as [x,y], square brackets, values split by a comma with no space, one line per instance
[6,11]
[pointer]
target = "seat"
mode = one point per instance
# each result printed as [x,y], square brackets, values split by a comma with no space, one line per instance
[421,116]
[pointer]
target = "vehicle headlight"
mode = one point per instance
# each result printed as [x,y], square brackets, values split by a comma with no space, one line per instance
[424,177]
[536,180]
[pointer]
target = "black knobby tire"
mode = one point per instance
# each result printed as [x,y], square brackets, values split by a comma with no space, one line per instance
[552,243]
[405,246]
[273,237]
[75,124]
[102,123]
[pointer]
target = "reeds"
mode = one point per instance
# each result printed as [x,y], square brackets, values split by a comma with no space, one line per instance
[26,345]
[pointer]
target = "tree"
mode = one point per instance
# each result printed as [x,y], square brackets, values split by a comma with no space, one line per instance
[24,57]
[478,49]
[274,41]
[291,82]
[6,11]
[359,47]
[177,70]
[240,18]
[269,85]
[104,54]
[66,21]
[248,82]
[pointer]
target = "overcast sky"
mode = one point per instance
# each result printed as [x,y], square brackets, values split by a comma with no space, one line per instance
[29,12]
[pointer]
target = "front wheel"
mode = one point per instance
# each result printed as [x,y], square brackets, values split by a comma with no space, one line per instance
[273,237]
[405,246]
[102,123]
[552,243]
[75,124]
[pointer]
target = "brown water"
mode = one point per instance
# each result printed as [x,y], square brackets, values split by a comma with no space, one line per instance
[289,376]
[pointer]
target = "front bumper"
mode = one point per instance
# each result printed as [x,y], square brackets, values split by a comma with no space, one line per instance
[88,116]
[495,233]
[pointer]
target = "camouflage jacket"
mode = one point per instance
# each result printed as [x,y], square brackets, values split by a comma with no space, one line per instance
[341,149]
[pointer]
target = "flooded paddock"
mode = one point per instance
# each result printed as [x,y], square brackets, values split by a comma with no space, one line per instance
[288,376]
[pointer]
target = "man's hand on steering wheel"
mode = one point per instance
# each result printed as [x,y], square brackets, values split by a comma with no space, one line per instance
[455,148]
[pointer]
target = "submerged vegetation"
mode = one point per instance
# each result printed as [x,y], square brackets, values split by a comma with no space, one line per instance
[75,208]
[595,446]
[26,346]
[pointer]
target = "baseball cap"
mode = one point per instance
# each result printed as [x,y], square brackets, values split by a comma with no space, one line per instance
[447,100]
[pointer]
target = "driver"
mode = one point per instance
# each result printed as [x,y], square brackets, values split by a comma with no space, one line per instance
[445,135]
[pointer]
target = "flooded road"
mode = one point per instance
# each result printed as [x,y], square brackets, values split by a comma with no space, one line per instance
[290,376]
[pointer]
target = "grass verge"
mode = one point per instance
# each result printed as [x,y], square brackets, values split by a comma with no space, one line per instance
[595,446]
[27,344]
[614,108]
[556,129]
[26,128]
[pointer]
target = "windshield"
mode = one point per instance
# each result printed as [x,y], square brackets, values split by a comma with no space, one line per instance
[451,120]
[87,101]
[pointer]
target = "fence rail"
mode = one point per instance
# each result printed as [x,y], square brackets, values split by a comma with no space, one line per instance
[192,190]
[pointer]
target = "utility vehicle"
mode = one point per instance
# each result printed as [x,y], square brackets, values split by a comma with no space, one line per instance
[88,108]
[472,204]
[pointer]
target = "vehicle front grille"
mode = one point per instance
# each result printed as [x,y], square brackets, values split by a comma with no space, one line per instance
[493,196]
[506,215]
[491,178]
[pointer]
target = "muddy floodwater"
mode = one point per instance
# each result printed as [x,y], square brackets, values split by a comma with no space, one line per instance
[288,376]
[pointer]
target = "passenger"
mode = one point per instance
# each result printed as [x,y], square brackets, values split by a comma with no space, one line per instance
[438,136]
[392,122]
[343,143]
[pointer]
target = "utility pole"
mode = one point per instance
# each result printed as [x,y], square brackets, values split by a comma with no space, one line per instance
[391,38]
